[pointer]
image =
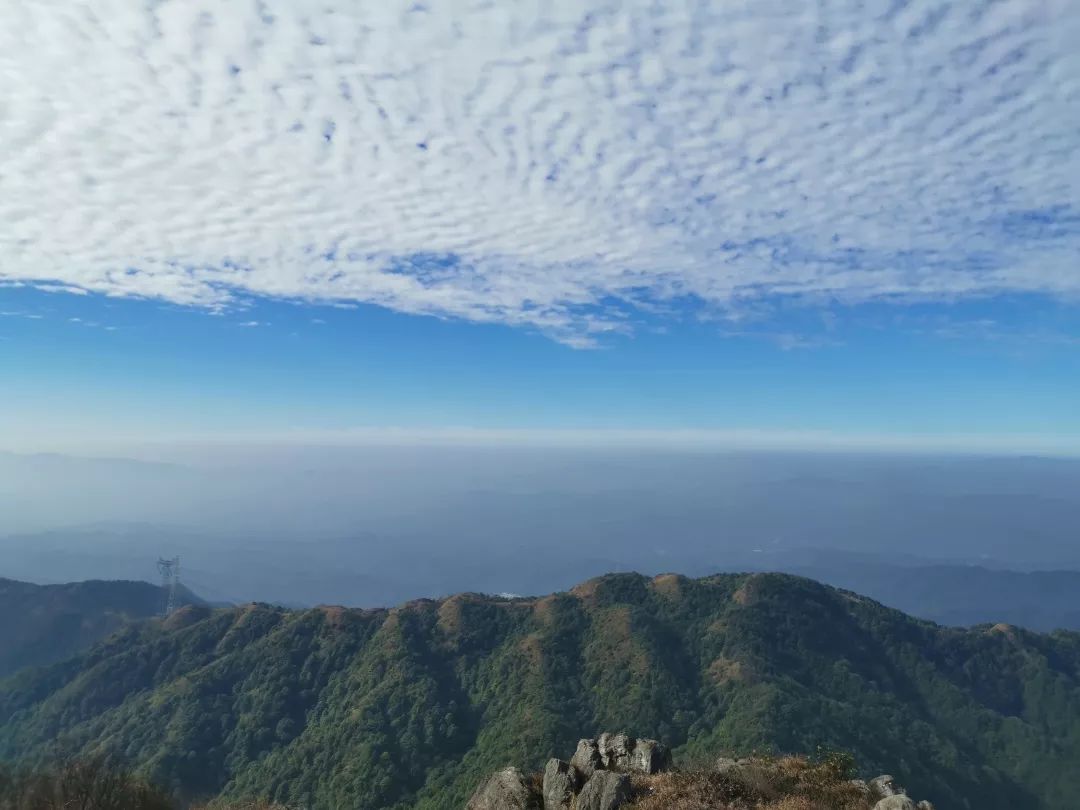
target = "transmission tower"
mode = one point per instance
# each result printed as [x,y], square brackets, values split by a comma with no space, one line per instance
[170,584]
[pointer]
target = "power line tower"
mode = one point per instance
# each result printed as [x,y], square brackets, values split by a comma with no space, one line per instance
[170,584]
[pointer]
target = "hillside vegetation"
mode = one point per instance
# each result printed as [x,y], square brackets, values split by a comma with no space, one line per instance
[411,707]
[47,623]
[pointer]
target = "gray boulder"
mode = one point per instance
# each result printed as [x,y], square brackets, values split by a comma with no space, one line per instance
[924,805]
[503,790]
[587,757]
[897,801]
[561,781]
[884,786]
[650,756]
[615,750]
[605,790]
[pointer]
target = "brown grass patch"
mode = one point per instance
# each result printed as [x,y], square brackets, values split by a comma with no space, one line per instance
[586,591]
[724,670]
[333,615]
[544,610]
[668,585]
[747,592]
[451,615]
[1006,630]
[532,649]
[761,783]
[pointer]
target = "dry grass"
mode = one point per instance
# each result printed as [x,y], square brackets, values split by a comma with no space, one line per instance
[254,804]
[762,783]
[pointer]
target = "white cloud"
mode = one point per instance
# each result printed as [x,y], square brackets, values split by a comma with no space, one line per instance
[552,164]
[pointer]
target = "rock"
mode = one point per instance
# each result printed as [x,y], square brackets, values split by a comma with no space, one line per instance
[587,757]
[898,801]
[924,805]
[503,790]
[605,790]
[615,750]
[650,756]
[884,786]
[561,781]
[621,752]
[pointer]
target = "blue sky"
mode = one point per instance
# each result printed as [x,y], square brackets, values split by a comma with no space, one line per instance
[995,371]
[765,219]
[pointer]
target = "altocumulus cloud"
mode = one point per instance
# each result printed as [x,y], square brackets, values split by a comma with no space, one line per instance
[560,165]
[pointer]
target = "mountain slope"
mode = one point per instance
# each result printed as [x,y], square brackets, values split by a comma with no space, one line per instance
[410,707]
[47,623]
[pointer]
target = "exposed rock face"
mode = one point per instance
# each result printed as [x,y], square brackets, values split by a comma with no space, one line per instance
[593,779]
[503,790]
[884,786]
[587,757]
[605,790]
[649,756]
[615,750]
[897,801]
[621,752]
[561,782]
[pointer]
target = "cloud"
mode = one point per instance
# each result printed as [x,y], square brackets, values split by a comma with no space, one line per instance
[564,166]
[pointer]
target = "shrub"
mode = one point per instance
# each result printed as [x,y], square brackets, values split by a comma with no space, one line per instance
[80,785]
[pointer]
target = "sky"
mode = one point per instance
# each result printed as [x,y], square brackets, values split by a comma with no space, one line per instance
[819,224]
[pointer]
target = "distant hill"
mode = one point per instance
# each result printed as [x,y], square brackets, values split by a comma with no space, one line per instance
[411,707]
[956,594]
[47,623]
[964,595]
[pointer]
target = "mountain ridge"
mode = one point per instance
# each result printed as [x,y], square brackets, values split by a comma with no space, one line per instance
[409,706]
[53,621]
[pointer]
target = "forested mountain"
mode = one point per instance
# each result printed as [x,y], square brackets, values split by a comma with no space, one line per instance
[46,623]
[410,707]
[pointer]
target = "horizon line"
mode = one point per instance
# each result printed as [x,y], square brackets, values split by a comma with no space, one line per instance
[673,439]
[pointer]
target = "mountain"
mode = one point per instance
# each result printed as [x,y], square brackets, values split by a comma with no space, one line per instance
[964,595]
[47,623]
[413,706]
[947,593]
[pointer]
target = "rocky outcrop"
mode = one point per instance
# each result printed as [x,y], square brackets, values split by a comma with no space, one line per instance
[897,802]
[587,757]
[605,790]
[885,786]
[562,781]
[598,777]
[890,796]
[595,778]
[620,752]
[503,790]
[649,756]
